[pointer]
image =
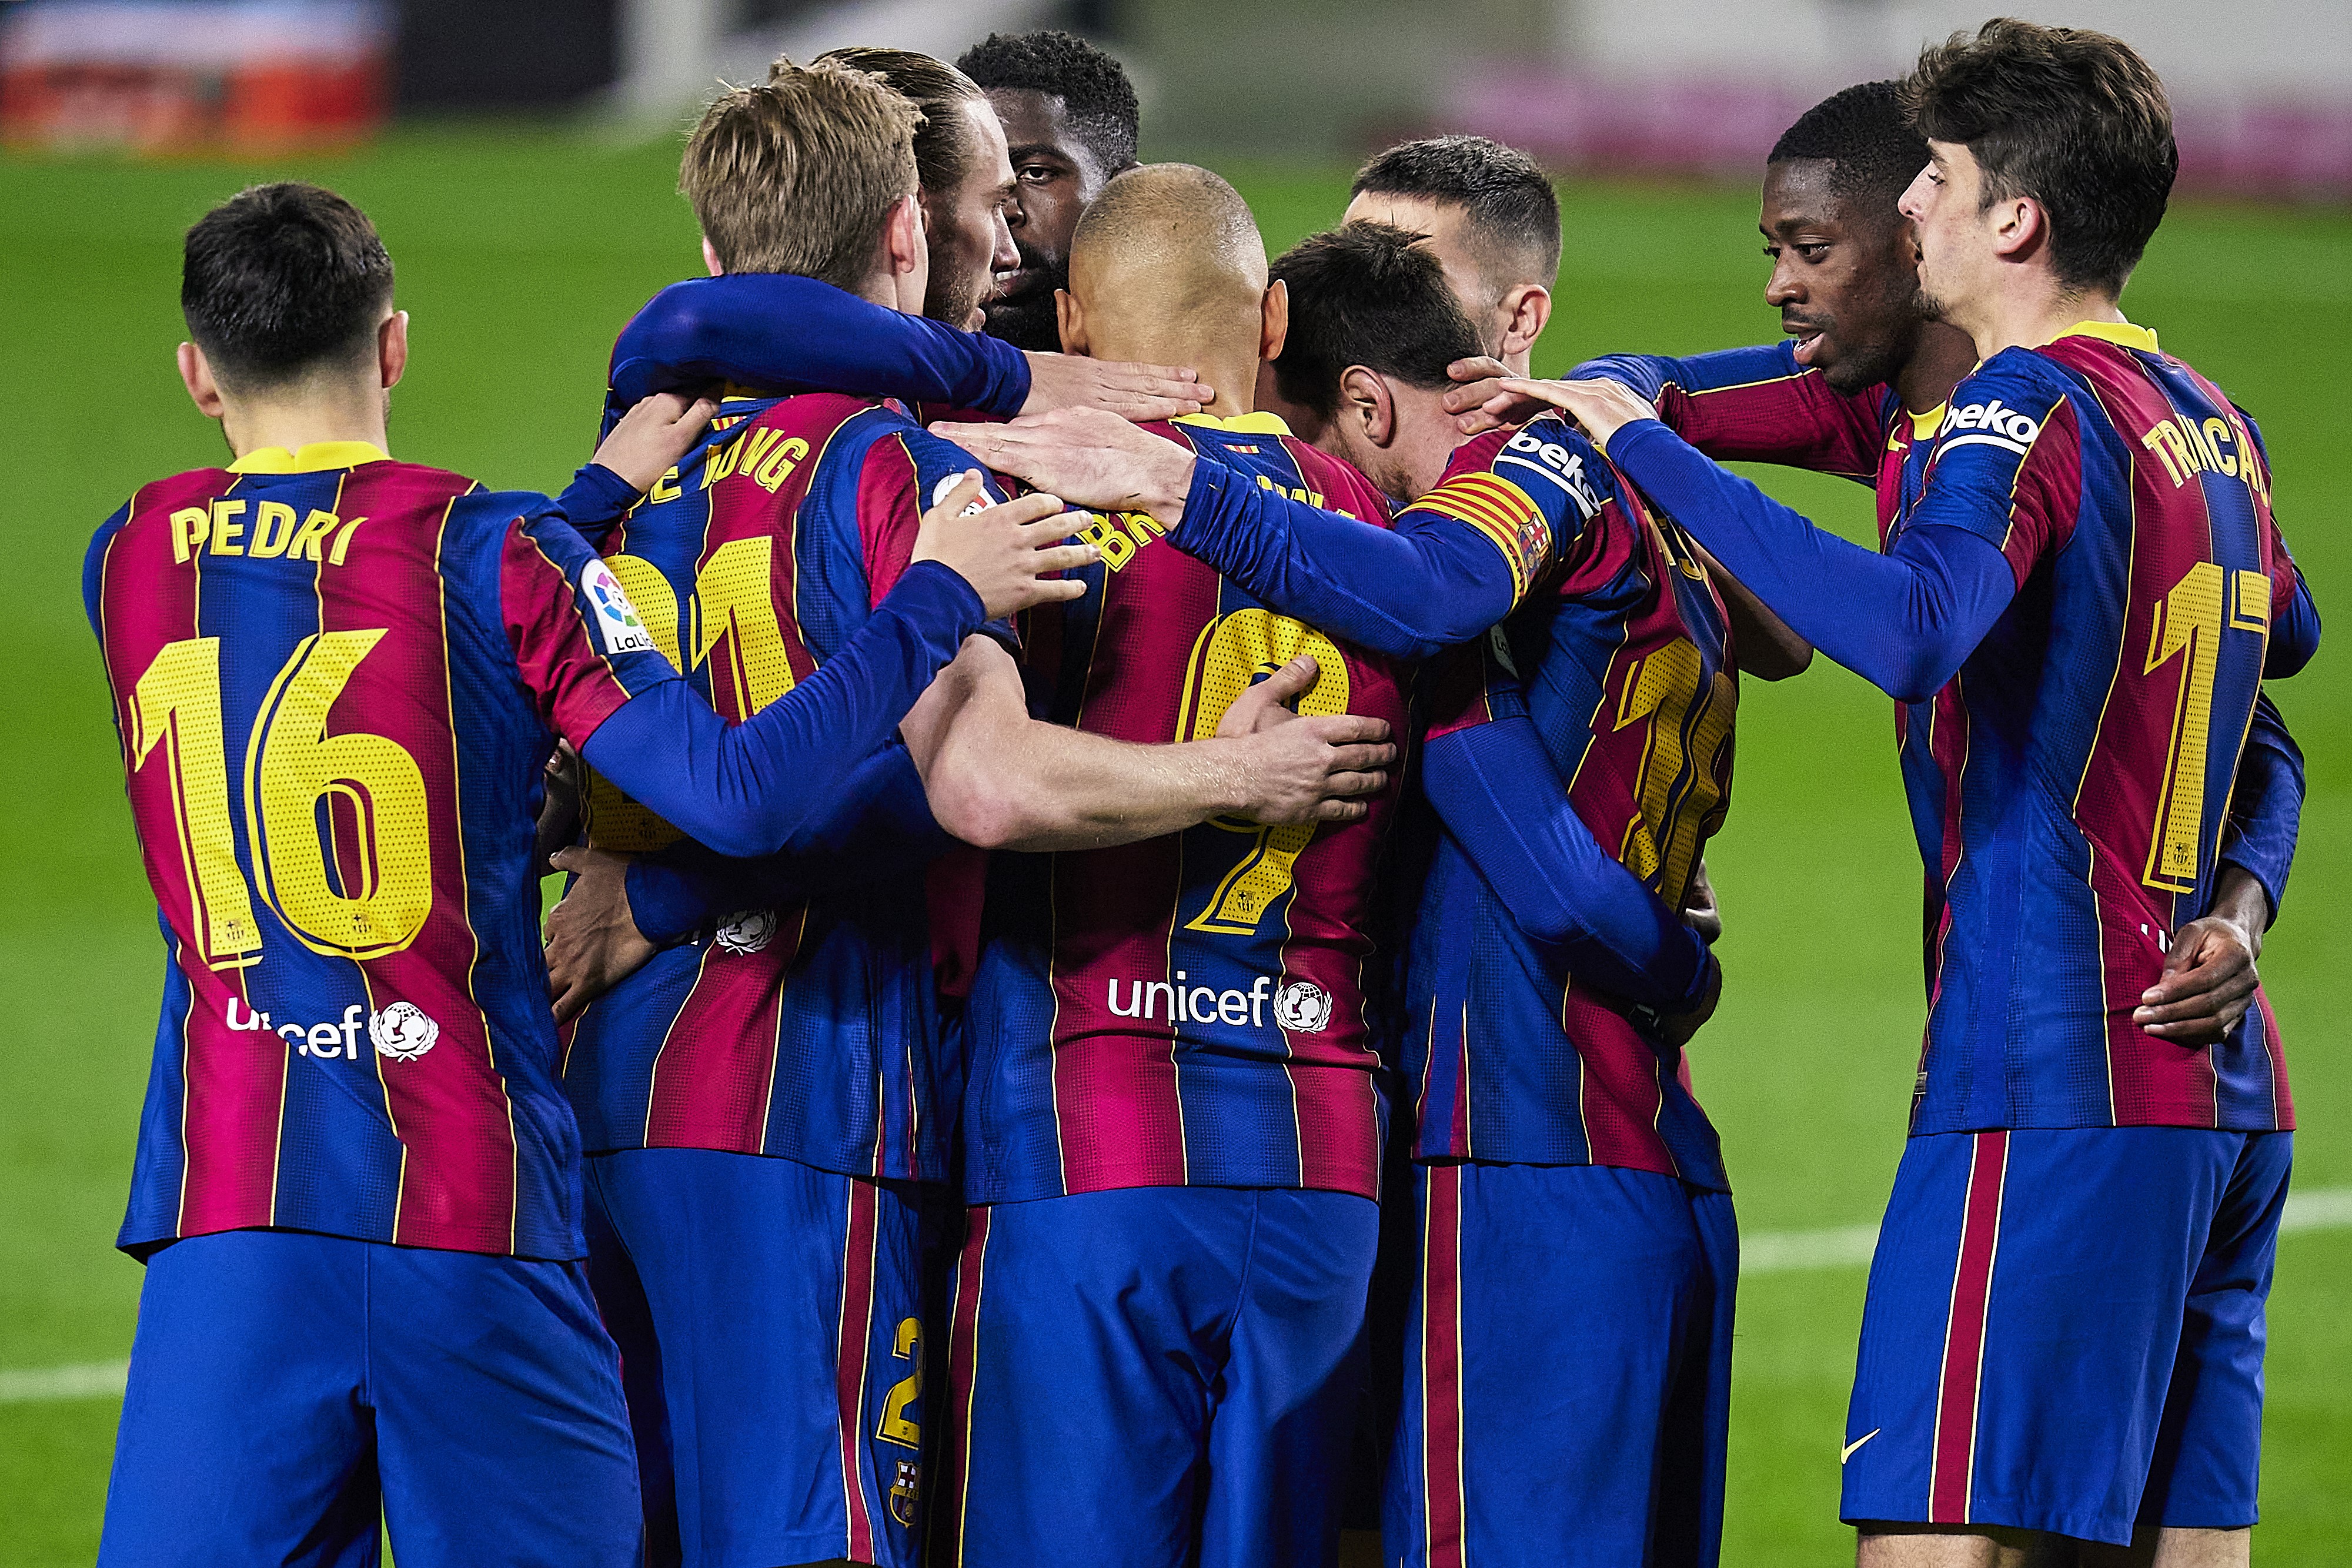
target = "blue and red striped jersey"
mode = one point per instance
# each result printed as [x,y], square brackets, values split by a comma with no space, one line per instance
[1193,1009]
[809,1032]
[1620,654]
[2077,772]
[2167,461]
[336,679]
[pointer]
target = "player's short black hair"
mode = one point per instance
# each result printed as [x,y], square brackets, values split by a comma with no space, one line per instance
[1866,137]
[279,279]
[1514,212]
[1091,84]
[2074,119]
[1367,294]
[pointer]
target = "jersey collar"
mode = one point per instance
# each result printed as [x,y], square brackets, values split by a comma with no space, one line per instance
[1261,423]
[317,456]
[2123,332]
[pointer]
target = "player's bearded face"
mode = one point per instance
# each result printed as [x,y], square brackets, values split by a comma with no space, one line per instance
[969,241]
[1947,218]
[1844,277]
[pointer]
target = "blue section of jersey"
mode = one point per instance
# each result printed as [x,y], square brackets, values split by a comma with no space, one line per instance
[784,333]
[2266,815]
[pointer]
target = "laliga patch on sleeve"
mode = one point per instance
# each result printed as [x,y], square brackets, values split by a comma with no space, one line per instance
[617,626]
[948,482]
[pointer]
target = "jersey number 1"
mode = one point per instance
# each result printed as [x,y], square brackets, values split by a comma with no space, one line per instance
[291,765]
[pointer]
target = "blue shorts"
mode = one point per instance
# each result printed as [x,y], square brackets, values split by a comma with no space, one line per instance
[771,1323]
[1568,1370]
[2064,1332]
[1155,1375]
[287,1387]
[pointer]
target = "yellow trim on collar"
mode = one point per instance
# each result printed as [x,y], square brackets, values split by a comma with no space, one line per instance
[2124,332]
[1924,426]
[317,456]
[1261,423]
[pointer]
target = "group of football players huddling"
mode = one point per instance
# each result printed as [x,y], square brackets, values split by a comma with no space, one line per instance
[1133,819]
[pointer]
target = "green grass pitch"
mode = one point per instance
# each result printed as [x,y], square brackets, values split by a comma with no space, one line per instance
[521,252]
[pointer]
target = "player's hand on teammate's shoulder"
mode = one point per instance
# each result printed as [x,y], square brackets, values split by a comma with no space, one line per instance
[1005,551]
[1130,391]
[653,436]
[1477,400]
[1602,407]
[1087,457]
[1296,770]
[593,940]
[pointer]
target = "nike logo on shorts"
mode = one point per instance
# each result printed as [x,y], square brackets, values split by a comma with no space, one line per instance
[1847,1452]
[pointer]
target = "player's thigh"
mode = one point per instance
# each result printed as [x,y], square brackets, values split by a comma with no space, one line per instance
[2203,1478]
[1686,1522]
[1553,1316]
[244,1437]
[1089,1332]
[501,1434]
[1283,1424]
[787,1305]
[628,1318]
[2026,1304]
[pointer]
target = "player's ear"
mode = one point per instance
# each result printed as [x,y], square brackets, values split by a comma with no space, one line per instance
[196,375]
[1272,321]
[391,347]
[1366,403]
[902,235]
[1526,310]
[1070,317]
[710,259]
[2020,224]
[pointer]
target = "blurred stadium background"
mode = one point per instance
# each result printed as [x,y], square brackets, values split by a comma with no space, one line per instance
[521,158]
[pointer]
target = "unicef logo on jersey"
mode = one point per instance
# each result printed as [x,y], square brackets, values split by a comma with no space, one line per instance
[747,933]
[1302,1006]
[402,1031]
[616,618]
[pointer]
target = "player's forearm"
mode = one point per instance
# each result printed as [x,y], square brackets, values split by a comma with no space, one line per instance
[1503,800]
[745,789]
[1426,584]
[595,500]
[2294,637]
[784,333]
[1756,404]
[1040,787]
[1904,622]
[2266,812]
[883,830]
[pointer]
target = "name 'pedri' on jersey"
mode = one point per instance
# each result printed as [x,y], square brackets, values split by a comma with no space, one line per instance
[336,679]
[809,1032]
[1192,1009]
[1621,655]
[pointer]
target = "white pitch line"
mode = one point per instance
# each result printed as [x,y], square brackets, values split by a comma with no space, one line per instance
[1763,1252]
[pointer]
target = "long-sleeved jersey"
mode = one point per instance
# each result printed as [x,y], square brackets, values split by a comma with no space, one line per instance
[809,1031]
[1620,653]
[1189,1010]
[2081,762]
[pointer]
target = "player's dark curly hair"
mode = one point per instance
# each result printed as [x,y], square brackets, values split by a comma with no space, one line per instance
[1092,85]
[280,279]
[1366,293]
[1514,212]
[1866,137]
[2074,119]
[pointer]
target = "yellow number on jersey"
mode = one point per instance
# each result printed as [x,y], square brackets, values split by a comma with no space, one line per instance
[1661,842]
[2187,620]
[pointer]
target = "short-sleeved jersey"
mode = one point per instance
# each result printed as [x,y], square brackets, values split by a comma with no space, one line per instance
[1621,655]
[1191,1009]
[2071,785]
[809,1032]
[336,680]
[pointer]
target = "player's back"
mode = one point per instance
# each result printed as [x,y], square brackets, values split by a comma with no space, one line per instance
[332,754]
[2081,762]
[1621,655]
[811,1031]
[1191,1008]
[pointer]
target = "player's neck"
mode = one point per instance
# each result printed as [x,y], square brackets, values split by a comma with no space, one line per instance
[1232,373]
[1941,355]
[250,425]
[2031,309]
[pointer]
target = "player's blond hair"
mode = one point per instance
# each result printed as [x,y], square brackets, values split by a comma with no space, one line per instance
[798,173]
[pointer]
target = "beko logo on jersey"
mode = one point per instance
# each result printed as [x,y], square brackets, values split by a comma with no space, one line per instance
[616,618]
[1302,1006]
[402,1032]
[1554,464]
[1991,424]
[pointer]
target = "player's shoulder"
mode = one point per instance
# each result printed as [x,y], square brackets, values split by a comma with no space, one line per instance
[1549,459]
[2008,401]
